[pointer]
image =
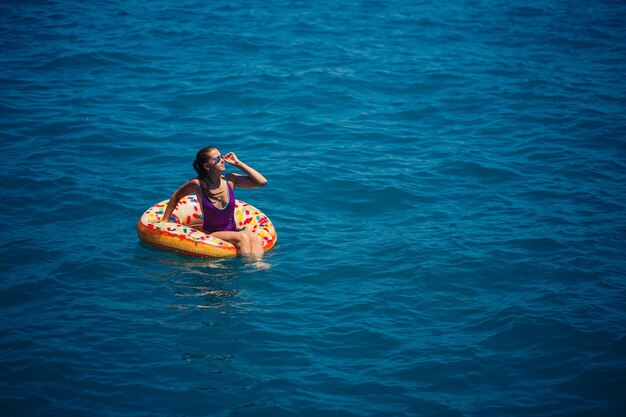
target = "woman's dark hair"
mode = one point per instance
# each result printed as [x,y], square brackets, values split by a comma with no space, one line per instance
[202,157]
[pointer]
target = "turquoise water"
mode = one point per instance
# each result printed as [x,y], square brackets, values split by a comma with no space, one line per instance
[446,180]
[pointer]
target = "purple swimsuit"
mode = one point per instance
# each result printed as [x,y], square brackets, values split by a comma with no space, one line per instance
[218,220]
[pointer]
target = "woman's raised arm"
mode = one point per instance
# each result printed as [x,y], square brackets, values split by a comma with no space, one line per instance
[254,179]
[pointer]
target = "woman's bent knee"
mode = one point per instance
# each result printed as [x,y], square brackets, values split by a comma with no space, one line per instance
[253,237]
[244,237]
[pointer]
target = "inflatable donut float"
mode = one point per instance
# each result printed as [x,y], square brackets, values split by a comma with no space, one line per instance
[185,236]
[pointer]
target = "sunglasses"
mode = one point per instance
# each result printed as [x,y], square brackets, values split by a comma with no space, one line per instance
[218,159]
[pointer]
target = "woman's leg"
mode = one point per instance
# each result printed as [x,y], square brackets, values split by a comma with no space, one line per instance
[249,245]
[256,243]
[240,240]
[256,248]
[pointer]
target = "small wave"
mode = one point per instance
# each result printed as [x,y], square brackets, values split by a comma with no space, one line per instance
[477,170]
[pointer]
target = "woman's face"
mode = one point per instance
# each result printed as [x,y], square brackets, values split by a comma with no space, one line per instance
[215,161]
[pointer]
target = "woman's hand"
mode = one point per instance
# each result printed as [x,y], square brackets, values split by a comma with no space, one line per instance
[231,158]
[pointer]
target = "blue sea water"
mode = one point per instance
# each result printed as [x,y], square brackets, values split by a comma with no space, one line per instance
[446,180]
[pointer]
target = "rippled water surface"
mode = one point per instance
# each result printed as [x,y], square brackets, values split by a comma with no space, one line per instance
[446,180]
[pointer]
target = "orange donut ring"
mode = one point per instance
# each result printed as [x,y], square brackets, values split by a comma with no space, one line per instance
[183,237]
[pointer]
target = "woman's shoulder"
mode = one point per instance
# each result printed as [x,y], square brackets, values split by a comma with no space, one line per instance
[192,185]
[193,181]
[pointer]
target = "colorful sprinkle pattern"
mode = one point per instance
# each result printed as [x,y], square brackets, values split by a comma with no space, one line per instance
[180,237]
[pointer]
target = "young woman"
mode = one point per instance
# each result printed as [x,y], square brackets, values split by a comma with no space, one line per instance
[215,192]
